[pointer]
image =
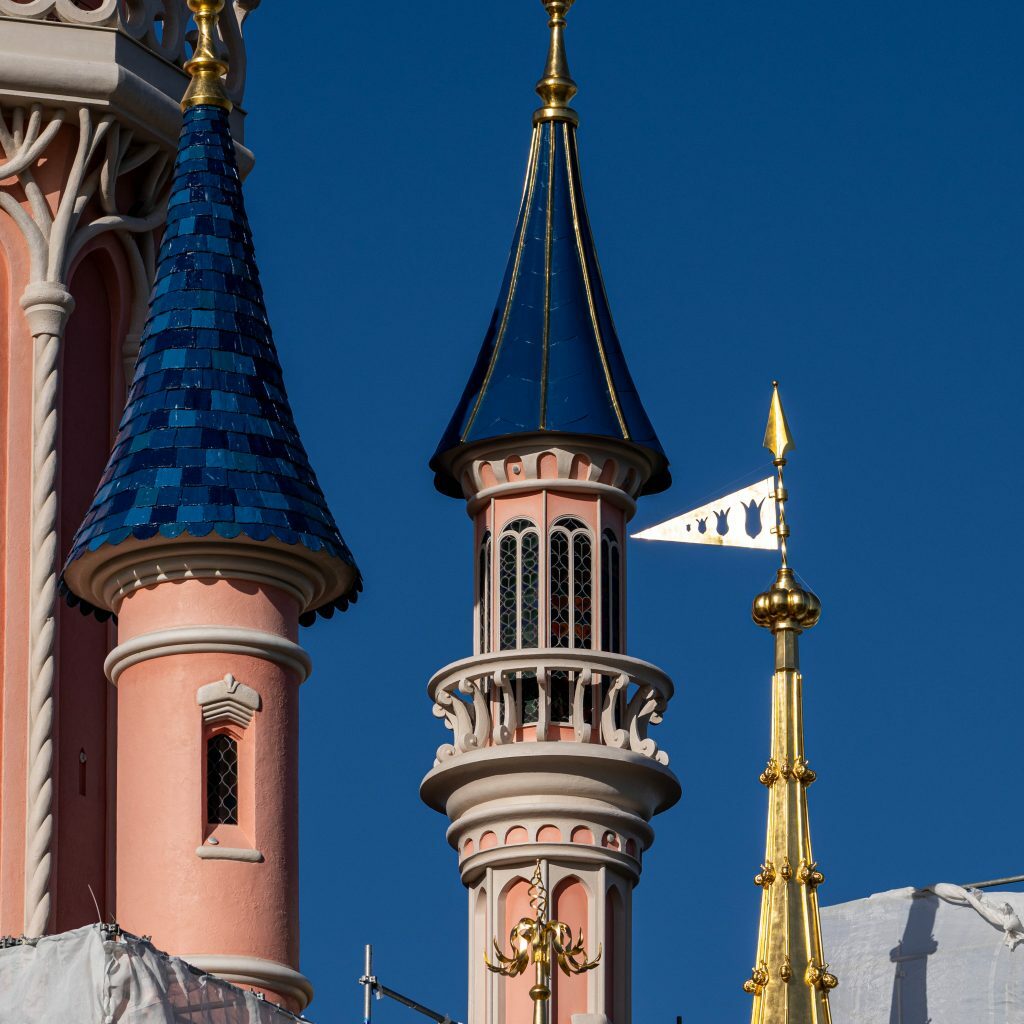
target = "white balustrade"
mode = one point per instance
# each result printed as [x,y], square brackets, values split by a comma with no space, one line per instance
[480,700]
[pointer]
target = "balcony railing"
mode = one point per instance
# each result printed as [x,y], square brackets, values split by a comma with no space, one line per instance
[607,699]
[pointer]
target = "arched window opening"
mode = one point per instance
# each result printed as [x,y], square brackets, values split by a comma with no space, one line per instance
[221,780]
[611,593]
[519,585]
[571,602]
[572,584]
[484,594]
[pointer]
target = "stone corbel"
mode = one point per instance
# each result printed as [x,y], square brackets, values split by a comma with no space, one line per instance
[228,700]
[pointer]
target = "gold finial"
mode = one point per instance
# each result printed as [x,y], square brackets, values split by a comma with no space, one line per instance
[777,438]
[535,939]
[205,67]
[556,89]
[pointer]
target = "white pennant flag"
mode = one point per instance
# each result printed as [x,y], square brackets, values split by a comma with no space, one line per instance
[743,519]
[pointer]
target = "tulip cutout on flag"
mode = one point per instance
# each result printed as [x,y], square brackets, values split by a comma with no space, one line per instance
[743,519]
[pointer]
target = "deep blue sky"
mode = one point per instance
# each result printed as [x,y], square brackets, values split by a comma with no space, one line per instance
[826,193]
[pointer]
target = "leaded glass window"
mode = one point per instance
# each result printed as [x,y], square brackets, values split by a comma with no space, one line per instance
[484,593]
[221,780]
[611,593]
[572,584]
[519,585]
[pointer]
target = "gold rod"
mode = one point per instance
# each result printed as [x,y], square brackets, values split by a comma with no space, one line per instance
[556,87]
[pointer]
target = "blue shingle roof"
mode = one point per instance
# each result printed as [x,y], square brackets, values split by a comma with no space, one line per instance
[207,445]
[551,359]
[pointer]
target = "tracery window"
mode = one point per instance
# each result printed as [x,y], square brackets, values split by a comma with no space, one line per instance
[611,593]
[518,585]
[221,780]
[484,594]
[572,584]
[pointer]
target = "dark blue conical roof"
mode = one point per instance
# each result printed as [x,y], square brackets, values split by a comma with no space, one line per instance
[551,359]
[207,445]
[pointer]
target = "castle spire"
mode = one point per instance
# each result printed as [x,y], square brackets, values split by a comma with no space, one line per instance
[551,361]
[790,981]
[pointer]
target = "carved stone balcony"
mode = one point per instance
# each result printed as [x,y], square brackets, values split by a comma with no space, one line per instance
[582,696]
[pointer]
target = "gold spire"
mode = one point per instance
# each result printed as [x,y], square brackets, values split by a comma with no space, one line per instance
[538,940]
[556,88]
[205,67]
[790,981]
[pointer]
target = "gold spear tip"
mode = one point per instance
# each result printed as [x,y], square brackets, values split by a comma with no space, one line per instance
[777,438]
[206,68]
[556,88]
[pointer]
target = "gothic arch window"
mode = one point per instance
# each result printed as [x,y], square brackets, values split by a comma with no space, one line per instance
[518,585]
[484,593]
[611,593]
[572,583]
[221,779]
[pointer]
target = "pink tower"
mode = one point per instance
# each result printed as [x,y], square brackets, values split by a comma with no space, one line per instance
[210,541]
[551,758]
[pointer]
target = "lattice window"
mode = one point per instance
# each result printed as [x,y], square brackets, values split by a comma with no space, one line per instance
[221,780]
[572,584]
[611,593]
[519,585]
[484,594]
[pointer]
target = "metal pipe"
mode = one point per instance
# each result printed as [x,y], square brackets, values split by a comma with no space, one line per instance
[367,982]
[440,1018]
[994,882]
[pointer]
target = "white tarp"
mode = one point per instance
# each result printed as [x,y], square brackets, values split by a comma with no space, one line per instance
[909,957]
[88,976]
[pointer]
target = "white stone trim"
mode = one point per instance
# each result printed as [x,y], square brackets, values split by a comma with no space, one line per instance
[255,971]
[254,643]
[228,700]
[106,576]
[521,855]
[613,494]
[229,853]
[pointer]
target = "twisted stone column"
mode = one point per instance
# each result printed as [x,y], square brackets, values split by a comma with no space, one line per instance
[47,308]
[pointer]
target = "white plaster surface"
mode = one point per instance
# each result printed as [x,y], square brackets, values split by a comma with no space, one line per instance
[909,957]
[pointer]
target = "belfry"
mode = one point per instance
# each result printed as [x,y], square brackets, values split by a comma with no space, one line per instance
[551,778]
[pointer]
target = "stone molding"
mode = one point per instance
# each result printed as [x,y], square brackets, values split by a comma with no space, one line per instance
[106,576]
[516,465]
[229,853]
[252,643]
[228,700]
[524,855]
[255,971]
[161,26]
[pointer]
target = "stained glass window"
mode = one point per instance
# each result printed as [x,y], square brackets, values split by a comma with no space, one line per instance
[221,780]
[571,574]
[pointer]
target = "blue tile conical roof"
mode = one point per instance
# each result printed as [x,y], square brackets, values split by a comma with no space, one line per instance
[207,445]
[551,360]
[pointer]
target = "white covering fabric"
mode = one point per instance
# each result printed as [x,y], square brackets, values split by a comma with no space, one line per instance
[910,957]
[88,976]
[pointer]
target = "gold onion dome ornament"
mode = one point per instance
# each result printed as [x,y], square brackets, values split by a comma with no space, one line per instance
[790,981]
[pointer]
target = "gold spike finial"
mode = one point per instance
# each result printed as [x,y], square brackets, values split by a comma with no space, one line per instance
[556,88]
[777,438]
[205,67]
